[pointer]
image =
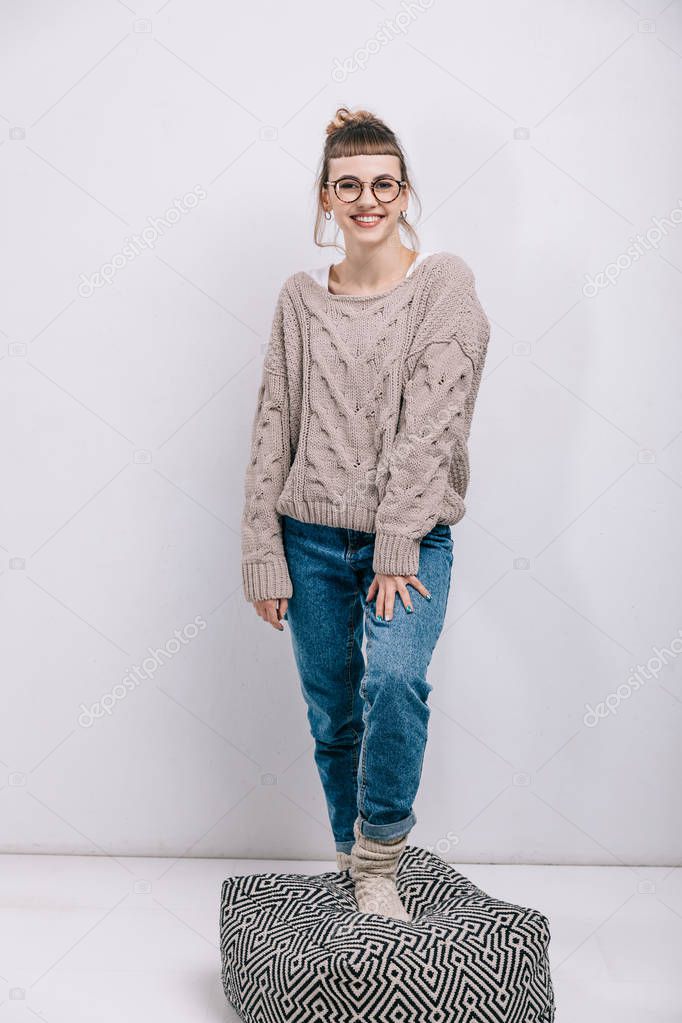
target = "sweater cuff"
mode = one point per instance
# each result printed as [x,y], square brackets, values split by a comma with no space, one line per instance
[266,580]
[395,555]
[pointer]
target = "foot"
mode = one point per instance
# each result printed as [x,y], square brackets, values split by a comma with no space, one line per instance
[373,869]
[376,894]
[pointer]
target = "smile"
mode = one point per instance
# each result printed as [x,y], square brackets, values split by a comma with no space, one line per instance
[367,220]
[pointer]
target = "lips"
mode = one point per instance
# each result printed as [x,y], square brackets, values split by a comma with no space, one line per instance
[372,219]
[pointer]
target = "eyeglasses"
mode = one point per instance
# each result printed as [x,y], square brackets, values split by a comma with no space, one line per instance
[384,189]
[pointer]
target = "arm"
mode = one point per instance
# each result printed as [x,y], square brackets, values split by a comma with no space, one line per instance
[265,574]
[441,376]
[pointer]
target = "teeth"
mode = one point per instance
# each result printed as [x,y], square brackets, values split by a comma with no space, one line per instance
[367,220]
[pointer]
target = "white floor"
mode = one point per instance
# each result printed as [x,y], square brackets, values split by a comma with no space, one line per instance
[109,940]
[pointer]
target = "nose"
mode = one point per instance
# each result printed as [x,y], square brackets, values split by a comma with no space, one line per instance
[366,196]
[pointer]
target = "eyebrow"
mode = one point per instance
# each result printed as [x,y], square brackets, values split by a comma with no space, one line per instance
[386,174]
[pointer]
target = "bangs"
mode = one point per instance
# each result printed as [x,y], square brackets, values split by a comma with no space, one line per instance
[362,140]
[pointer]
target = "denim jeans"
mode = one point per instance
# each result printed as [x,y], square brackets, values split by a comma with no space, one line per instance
[368,719]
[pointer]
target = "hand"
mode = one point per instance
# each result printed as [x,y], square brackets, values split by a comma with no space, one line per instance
[386,587]
[270,612]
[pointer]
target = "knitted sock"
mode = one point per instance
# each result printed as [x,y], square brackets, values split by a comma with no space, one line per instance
[373,869]
[342,861]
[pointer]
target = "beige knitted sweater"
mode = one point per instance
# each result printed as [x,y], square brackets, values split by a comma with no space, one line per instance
[362,417]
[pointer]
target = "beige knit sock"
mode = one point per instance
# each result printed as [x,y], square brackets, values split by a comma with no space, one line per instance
[373,869]
[342,860]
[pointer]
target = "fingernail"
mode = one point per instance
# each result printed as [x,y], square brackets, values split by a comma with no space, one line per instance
[379,618]
[409,609]
[428,596]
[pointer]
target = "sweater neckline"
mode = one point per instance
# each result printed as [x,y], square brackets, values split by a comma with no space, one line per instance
[375,294]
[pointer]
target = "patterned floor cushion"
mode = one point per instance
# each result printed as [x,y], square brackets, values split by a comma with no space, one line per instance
[295,948]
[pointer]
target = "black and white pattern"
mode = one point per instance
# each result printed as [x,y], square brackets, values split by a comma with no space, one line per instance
[295,948]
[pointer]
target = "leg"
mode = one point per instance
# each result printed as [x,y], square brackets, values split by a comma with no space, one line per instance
[325,618]
[395,692]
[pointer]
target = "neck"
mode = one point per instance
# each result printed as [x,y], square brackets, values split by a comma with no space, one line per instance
[373,267]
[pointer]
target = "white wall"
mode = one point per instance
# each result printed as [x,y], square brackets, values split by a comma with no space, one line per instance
[542,137]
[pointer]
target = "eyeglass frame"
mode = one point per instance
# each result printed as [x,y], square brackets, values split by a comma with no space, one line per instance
[362,184]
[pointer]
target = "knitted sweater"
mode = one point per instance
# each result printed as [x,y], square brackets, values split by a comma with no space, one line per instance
[362,417]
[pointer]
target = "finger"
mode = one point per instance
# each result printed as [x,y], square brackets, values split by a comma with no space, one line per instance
[405,597]
[272,616]
[380,600]
[282,608]
[419,586]
[268,612]
[373,588]
[389,600]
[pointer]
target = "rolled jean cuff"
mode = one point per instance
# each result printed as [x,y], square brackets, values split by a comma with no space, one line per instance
[345,847]
[385,832]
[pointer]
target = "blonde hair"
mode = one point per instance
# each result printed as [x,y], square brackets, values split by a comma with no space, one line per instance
[355,133]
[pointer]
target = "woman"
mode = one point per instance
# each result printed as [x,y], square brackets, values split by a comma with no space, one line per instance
[358,469]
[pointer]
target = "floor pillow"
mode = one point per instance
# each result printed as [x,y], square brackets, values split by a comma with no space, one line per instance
[295,948]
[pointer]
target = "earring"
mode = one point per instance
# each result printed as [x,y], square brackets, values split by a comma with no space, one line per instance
[403,215]
[328,215]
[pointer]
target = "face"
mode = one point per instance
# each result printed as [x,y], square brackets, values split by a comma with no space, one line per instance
[383,216]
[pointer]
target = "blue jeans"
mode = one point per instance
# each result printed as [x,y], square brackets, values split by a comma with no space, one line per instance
[369,721]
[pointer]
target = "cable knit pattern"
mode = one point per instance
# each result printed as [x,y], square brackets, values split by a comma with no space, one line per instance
[363,415]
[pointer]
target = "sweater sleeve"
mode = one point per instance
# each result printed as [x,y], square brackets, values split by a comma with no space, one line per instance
[440,376]
[265,574]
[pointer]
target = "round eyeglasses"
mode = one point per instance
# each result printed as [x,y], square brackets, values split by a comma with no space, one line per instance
[384,189]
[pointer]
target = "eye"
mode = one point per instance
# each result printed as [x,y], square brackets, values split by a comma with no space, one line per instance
[385,185]
[347,185]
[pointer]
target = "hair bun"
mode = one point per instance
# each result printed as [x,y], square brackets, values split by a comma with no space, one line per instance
[345,116]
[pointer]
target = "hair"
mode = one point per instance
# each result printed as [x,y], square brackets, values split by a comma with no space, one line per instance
[355,133]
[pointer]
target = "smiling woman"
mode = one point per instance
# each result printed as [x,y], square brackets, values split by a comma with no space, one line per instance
[365,187]
[358,470]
